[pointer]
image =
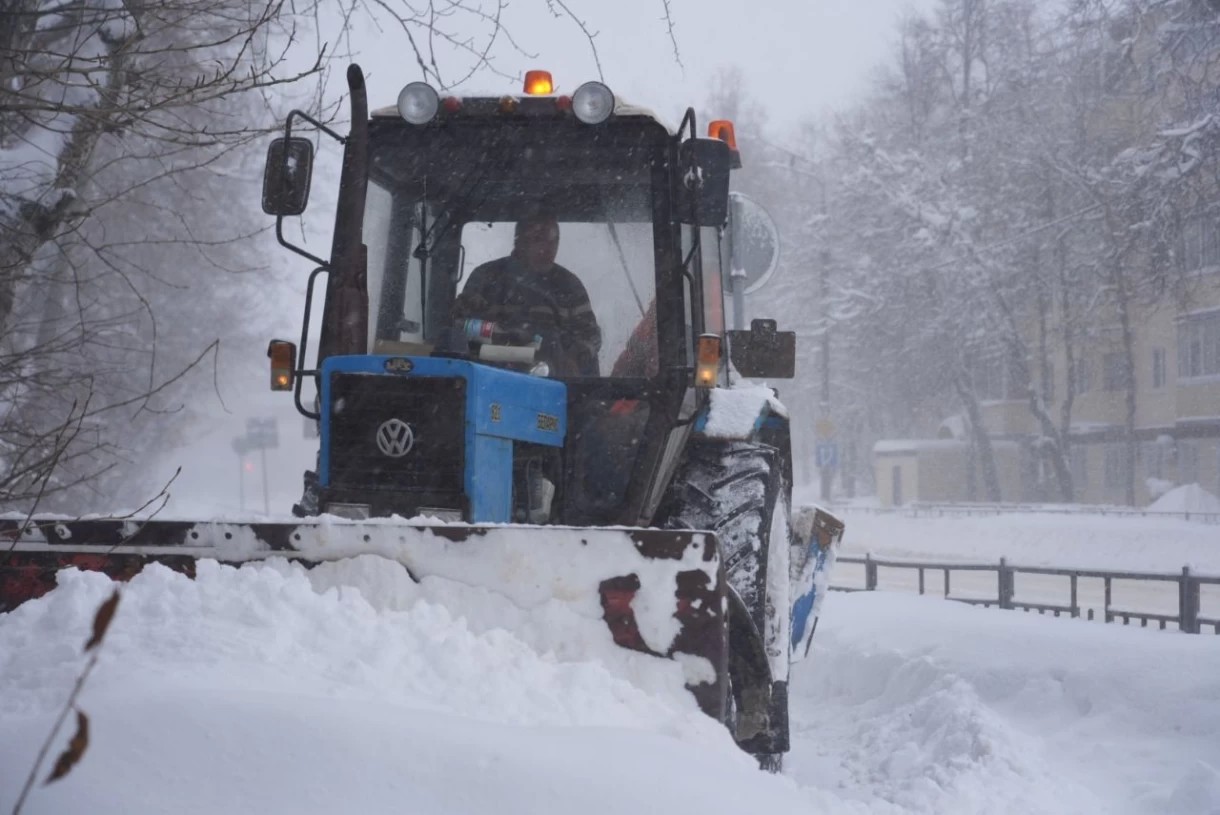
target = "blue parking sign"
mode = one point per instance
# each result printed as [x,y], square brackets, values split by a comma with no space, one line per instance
[826,455]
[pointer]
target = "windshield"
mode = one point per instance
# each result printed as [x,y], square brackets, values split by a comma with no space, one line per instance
[444,225]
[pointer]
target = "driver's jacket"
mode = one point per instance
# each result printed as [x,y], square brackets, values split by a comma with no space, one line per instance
[552,304]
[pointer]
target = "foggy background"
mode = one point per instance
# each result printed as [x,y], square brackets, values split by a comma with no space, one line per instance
[796,59]
[981,203]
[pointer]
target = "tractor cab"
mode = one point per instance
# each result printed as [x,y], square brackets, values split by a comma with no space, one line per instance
[432,195]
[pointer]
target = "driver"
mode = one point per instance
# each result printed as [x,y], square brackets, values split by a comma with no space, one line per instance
[528,292]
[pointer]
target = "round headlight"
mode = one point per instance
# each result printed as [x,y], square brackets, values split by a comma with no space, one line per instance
[593,103]
[418,103]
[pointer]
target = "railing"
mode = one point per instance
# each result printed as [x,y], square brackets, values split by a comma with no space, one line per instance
[976,510]
[1189,618]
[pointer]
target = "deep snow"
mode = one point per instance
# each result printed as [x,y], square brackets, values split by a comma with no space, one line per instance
[349,688]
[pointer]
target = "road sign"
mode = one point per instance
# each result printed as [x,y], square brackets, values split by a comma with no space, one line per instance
[755,242]
[824,428]
[826,455]
[262,434]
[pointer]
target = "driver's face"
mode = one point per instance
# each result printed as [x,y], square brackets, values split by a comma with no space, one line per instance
[538,243]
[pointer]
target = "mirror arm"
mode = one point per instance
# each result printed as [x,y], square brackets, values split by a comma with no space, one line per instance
[279,219]
[300,114]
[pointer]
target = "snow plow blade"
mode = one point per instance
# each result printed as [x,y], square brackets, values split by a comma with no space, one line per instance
[659,591]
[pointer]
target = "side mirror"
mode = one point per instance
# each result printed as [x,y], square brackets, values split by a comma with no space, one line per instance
[762,352]
[286,176]
[705,165]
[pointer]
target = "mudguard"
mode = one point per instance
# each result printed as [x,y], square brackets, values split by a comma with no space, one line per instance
[659,591]
[816,535]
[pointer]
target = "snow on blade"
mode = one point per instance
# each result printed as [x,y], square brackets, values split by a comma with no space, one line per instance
[350,687]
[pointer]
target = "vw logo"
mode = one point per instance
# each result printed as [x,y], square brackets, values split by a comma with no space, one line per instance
[395,438]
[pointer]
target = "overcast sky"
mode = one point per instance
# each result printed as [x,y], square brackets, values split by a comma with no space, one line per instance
[798,56]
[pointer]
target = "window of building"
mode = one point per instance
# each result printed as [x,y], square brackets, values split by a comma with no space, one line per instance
[1199,345]
[1188,462]
[1114,371]
[1115,465]
[1199,242]
[1078,460]
[996,379]
[1153,454]
[1158,367]
[1082,376]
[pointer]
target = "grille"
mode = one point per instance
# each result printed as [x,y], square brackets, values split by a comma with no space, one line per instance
[434,407]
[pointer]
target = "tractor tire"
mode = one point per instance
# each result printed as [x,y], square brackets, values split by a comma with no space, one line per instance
[736,489]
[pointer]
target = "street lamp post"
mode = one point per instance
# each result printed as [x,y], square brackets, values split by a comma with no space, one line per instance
[826,470]
[241,447]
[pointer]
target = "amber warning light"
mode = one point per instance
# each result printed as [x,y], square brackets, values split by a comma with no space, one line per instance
[538,83]
[723,129]
[707,360]
[282,354]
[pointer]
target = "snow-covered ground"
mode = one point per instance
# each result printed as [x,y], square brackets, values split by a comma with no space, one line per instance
[351,689]
[915,704]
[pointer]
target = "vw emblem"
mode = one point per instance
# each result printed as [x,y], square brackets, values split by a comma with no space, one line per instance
[395,438]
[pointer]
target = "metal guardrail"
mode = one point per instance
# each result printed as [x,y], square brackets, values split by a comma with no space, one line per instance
[982,510]
[1189,618]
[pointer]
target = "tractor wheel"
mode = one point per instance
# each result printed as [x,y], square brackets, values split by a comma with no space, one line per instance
[736,489]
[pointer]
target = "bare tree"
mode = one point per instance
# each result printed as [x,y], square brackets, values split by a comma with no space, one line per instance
[129,141]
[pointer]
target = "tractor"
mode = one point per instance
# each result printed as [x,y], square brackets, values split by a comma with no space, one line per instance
[649,484]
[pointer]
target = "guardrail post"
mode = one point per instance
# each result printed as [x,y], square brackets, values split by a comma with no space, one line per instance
[870,573]
[1075,605]
[1188,603]
[1006,584]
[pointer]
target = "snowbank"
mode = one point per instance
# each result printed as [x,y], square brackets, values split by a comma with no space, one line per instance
[935,706]
[1186,498]
[350,688]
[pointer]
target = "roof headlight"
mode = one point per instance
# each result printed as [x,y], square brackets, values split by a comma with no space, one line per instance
[593,103]
[418,103]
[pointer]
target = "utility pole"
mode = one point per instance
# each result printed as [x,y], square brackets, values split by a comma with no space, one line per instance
[828,448]
[262,453]
[827,452]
